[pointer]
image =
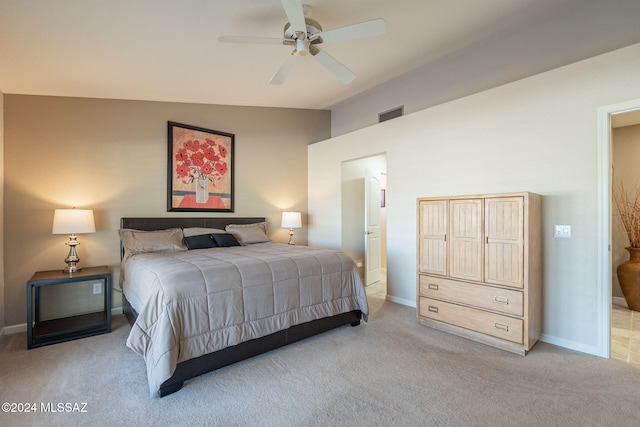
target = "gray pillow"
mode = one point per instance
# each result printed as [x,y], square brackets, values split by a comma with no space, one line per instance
[138,241]
[197,231]
[247,234]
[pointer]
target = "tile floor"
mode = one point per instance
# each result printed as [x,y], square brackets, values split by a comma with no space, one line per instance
[625,335]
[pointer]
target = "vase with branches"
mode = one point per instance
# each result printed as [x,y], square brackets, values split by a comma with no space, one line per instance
[628,207]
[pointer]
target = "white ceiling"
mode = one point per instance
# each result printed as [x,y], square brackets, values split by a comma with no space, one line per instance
[166,50]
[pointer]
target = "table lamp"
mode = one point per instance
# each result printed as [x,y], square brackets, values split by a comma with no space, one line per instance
[291,220]
[72,222]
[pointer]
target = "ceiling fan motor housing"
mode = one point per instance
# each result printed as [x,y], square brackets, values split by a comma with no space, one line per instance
[313,27]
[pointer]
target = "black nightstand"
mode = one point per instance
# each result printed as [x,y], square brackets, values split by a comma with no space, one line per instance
[54,331]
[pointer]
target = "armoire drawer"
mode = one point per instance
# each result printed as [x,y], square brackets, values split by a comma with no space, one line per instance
[496,325]
[487,297]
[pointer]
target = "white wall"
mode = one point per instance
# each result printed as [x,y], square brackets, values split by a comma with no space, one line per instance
[538,134]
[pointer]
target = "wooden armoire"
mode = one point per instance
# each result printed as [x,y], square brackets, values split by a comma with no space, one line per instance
[480,268]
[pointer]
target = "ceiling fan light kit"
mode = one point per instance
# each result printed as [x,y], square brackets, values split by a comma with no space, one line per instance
[305,34]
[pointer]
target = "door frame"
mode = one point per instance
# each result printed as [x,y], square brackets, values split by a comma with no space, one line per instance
[605,182]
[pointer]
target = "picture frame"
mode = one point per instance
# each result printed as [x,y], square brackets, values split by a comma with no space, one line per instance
[200,169]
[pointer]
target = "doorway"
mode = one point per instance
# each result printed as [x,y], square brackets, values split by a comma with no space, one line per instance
[356,207]
[606,117]
[625,143]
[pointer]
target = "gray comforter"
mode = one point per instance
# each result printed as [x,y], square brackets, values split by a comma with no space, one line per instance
[196,302]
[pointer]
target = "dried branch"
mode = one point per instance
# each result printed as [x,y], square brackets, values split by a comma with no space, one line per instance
[629,210]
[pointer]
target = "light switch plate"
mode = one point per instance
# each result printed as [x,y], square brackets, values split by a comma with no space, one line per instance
[562,231]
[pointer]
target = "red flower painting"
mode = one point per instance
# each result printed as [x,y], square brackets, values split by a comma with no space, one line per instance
[200,165]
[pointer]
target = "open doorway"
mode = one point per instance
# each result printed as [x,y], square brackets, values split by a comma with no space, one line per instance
[355,209]
[608,117]
[625,152]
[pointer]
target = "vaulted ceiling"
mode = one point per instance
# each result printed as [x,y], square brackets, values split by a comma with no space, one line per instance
[167,50]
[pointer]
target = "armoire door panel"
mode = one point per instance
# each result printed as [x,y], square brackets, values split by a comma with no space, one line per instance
[465,242]
[504,228]
[433,237]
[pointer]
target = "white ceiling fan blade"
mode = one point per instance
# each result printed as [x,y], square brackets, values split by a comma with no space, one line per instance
[252,40]
[282,73]
[343,74]
[295,14]
[374,27]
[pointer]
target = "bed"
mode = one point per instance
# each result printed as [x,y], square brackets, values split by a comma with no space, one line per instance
[203,293]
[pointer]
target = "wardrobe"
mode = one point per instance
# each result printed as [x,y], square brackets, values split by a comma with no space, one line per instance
[480,268]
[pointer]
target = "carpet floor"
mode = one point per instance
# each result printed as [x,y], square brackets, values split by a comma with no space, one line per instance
[390,371]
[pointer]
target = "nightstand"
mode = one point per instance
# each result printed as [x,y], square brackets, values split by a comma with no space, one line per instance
[52,331]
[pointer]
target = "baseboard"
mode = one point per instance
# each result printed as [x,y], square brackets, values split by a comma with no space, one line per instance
[14,329]
[401,301]
[22,327]
[619,301]
[571,345]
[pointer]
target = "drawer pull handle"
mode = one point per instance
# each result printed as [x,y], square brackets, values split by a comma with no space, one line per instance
[433,309]
[501,326]
[501,300]
[433,286]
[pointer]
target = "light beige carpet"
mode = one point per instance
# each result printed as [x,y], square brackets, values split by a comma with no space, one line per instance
[389,372]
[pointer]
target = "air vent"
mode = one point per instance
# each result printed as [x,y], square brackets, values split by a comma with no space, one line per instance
[391,114]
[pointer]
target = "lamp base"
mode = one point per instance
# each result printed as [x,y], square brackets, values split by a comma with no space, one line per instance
[71,269]
[291,242]
[72,259]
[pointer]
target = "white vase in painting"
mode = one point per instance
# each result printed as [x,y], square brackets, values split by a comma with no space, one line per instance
[202,190]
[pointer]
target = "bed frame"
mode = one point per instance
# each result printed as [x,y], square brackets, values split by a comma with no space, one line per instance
[227,356]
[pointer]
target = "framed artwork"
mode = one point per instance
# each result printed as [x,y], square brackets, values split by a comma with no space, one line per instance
[200,171]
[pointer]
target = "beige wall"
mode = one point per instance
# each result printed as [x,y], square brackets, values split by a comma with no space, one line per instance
[538,134]
[111,156]
[626,156]
[2,319]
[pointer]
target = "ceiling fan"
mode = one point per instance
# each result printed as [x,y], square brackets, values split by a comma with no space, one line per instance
[305,34]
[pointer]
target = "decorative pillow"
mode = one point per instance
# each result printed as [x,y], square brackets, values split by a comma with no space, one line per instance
[225,240]
[138,241]
[202,241]
[249,233]
[197,231]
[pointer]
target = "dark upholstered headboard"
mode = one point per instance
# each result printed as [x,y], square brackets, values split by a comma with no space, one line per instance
[148,224]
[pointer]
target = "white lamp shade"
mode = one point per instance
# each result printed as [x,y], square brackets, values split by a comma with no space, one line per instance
[291,220]
[73,221]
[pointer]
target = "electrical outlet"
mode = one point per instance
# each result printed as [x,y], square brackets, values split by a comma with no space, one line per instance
[562,231]
[97,288]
